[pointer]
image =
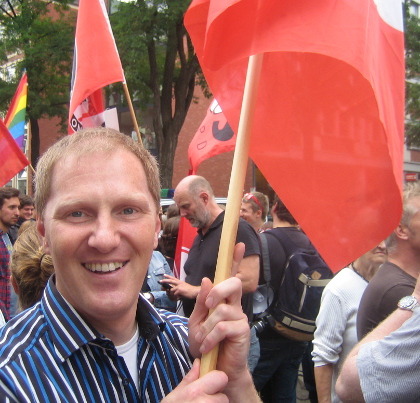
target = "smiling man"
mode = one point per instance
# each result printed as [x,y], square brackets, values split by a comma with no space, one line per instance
[93,337]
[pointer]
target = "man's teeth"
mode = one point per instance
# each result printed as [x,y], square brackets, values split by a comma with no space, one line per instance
[103,267]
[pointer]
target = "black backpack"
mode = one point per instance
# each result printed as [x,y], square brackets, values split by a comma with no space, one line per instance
[296,302]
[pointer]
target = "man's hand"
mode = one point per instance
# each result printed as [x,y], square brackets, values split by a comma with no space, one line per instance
[180,289]
[228,325]
[194,389]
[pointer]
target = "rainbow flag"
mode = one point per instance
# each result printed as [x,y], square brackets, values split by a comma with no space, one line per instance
[15,118]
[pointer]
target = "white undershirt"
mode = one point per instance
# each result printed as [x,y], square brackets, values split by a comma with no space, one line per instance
[129,352]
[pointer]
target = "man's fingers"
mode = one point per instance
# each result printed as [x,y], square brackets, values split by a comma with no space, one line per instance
[229,291]
[211,335]
[200,310]
[195,389]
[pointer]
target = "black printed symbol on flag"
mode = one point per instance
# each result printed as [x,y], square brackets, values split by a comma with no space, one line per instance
[224,134]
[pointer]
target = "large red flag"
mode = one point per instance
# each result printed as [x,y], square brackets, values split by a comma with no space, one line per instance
[186,235]
[12,159]
[214,136]
[96,64]
[329,121]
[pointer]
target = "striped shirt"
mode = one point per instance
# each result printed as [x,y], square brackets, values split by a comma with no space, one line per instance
[50,354]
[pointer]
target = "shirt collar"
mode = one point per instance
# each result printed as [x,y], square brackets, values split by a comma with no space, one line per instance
[69,331]
[215,224]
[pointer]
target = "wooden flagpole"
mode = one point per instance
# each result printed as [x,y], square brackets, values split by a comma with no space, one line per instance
[29,174]
[133,115]
[236,187]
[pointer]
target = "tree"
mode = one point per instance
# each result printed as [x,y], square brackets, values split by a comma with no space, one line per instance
[40,36]
[161,67]
[412,48]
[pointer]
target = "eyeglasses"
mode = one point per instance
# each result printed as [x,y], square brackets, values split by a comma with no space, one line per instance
[250,196]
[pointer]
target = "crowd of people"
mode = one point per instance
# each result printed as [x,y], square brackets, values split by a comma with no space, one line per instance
[90,308]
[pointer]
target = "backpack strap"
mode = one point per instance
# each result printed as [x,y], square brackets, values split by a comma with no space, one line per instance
[266,265]
[288,245]
[313,283]
[265,258]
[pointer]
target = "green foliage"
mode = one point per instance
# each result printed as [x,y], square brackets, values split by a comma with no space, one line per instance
[147,39]
[160,66]
[43,34]
[412,48]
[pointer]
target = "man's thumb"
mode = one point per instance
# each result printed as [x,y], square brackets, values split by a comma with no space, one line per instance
[193,374]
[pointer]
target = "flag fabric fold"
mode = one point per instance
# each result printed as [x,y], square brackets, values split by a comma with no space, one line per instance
[329,122]
[12,159]
[214,136]
[96,64]
[186,235]
[15,117]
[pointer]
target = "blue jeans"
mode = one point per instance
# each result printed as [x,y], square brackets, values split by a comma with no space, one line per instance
[254,351]
[278,369]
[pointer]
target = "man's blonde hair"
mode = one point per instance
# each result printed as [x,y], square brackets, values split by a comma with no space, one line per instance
[98,139]
[411,190]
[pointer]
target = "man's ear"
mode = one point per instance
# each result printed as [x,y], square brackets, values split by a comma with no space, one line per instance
[274,208]
[204,196]
[41,231]
[158,227]
[402,231]
[14,284]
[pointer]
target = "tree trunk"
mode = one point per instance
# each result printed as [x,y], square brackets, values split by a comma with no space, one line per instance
[166,158]
[34,141]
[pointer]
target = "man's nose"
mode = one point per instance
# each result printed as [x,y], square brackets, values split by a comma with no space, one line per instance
[105,235]
[382,245]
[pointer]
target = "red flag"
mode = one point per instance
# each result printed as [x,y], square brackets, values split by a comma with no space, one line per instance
[213,137]
[12,159]
[329,122]
[186,235]
[96,64]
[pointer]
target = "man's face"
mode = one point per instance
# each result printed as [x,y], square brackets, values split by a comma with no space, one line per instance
[193,210]
[26,212]
[377,255]
[9,213]
[248,214]
[414,224]
[100,225]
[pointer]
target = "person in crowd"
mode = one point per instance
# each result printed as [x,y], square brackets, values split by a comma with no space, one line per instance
[26,212]
[384,366]
[276,373]
[267,226]
[93,337]
[9,214]
[30,267]
[397,277]
[254,209]
[152,289]
[168,239]
[172,211]
[336,332]
[195,199]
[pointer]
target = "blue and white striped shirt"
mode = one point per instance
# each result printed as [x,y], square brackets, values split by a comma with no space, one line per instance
[50,354]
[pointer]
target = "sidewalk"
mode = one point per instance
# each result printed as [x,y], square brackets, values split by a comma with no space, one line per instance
[301,392]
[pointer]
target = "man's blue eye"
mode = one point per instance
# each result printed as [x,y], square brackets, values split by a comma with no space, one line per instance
[128,211]
[76,214]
